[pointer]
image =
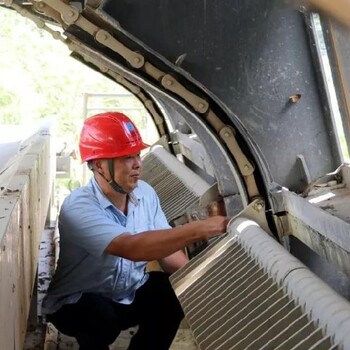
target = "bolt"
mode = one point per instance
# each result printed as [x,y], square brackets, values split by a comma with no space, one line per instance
[259,206]
[201,105]
[168,82]
[246,167]
[70,14]
[137,59]
[103,37]
[227,134]
[295,98]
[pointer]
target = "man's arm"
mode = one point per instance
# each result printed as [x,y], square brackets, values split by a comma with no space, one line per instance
[159,244]
[173,262]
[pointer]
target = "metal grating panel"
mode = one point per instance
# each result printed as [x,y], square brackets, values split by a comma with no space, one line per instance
[178,187]
[247,292]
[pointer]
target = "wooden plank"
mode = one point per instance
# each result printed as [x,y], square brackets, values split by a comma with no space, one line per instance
[6,286]
[23,210]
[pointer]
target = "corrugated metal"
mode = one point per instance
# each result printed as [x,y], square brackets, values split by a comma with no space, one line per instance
[248,292]
[178,187]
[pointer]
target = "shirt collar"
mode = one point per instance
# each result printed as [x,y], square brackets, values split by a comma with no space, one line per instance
[134,196]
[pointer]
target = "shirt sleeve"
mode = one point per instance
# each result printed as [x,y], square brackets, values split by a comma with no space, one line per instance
[85,223]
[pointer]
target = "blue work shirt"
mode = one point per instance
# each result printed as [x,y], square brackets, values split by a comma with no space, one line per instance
[88,222]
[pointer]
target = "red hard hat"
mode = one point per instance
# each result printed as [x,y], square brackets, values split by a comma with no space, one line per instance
[109,135]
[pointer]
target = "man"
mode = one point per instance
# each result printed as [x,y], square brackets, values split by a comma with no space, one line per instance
[109,229]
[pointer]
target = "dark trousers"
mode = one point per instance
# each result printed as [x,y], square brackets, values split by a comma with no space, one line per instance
[96,321]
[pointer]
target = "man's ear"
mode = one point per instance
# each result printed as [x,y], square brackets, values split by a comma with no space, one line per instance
[98,165]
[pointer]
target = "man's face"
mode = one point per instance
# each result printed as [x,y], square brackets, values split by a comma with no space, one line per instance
[127,171]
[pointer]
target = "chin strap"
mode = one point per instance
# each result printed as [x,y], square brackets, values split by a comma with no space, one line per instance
[116,187]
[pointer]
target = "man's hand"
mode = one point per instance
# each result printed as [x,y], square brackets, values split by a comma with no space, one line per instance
[211,227]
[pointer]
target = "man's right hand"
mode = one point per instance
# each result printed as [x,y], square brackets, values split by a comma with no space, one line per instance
[212,226]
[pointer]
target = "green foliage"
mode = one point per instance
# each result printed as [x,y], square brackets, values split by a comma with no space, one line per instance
[39,79]
[8,107]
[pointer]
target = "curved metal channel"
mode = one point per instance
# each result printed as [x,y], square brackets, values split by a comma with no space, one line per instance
[236,142]
[206,94]
[206,118]
[227,173]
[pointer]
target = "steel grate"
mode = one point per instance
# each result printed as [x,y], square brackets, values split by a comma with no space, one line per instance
[233,299]
[178,187]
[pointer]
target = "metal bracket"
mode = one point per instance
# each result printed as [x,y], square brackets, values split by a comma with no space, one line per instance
[304,170]
[255,211]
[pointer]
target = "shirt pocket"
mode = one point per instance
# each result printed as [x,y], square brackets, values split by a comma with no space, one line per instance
[141,220]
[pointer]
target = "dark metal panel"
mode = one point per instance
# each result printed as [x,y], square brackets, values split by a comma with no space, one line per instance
[253,55]
[328,272]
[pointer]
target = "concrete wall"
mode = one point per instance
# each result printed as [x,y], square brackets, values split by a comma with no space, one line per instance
[24,206]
